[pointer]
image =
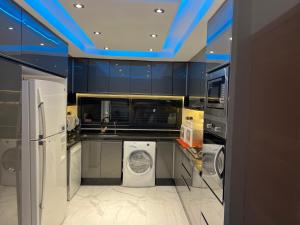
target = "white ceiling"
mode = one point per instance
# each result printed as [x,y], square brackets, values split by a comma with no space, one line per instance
[127,25]
[124,24]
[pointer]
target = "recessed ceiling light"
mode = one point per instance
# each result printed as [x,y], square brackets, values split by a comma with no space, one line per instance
[153,35]
[230,38]
[97,32]
[106,48]
[10,28]
[78,6]
[150,50]
[211,52]
[42,44]
[159,10]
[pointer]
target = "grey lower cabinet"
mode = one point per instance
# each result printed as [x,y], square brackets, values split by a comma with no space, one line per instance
[90,162]
[190,196]
[101,162]
[164,162]
[111,159]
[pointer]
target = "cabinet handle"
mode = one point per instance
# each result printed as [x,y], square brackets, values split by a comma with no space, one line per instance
[205,220]
[186,183]
[186,170]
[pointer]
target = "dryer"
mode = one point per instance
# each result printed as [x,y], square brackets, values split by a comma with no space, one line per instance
[139,164]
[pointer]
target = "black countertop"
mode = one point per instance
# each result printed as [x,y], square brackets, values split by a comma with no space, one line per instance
[124,136]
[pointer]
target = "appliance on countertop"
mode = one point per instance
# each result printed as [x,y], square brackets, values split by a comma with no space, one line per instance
[72,122]
[74,169]
[44,155]
[216,102]
[139,164]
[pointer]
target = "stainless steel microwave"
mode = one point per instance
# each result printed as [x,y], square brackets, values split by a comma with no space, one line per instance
[217,86]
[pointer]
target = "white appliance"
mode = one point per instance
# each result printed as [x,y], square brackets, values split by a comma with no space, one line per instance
[44,154]
[139,164]
[74,169]
[213,166]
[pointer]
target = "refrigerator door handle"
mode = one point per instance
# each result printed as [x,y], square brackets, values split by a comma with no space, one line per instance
[43,144]
[41,107]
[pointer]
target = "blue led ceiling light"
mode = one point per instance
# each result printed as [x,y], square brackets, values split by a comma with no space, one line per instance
[188,16]
[222,57]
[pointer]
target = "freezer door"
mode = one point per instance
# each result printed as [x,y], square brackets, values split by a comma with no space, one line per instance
[48,102]
[49,180]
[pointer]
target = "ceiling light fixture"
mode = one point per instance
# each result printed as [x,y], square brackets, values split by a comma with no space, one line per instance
[151,50]
[230,38]
[106,48]
[97,32]
[42,44]
[78,6]
[159,10]
[211,52]
[153,35]
[10,28]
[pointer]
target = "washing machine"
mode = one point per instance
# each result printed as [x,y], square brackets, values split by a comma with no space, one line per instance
[139,164]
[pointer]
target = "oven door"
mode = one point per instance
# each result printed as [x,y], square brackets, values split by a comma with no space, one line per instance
[213,166]
[216,93]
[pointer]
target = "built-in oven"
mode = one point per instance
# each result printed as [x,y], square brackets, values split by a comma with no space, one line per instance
[215,117]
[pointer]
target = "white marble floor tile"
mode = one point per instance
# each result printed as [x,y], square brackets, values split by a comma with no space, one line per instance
[115,205]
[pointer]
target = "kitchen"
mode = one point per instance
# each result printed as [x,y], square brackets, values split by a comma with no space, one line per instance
[148,112]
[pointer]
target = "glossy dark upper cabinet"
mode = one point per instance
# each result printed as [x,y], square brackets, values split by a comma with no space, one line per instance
[10,29]
[179,79]
[197,79]
[98,76]
[119,81]
[41,48]
[80,75]
[140,77]
[161,78]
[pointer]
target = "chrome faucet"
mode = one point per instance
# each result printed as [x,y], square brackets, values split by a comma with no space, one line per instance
[115,125]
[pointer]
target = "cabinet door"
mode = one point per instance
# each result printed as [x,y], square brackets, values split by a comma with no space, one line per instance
[111,159]
[177,165]
[91,153]
[10,29]
[140,78]
[164,159]
[98,76]
[80,71]
[161,78]
[197,79]
[119,81]
[179,79]
[41,48]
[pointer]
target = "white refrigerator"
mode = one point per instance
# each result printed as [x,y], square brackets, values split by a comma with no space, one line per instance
[44,166]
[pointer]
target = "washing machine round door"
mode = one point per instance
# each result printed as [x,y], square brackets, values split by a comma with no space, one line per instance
[140,162]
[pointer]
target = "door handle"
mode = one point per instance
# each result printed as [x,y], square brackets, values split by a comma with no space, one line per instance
[43,144]
[41,107]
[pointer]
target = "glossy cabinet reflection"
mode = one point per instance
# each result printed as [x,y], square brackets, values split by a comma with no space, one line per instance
[119,81]
[140,77]
[197,79]
[161,78]
[80,75]
[179,79]
[10,141]
[41,48]
[10,29]
[98,76]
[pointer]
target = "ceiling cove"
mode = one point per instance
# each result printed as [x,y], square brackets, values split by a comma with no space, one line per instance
[188,16]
